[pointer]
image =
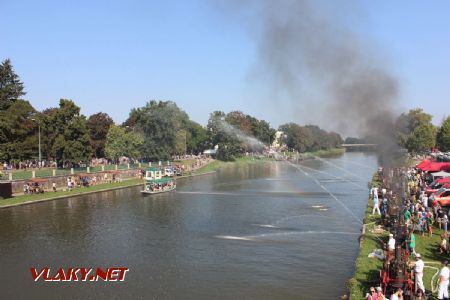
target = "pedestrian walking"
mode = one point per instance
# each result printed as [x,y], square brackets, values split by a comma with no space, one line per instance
[418,271]
[443,281]
[376,206]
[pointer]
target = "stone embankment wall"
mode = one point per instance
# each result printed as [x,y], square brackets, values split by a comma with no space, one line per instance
[61,181]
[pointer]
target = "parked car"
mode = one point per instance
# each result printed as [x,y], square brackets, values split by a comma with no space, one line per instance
[442,197]
[436,185]
[169,172]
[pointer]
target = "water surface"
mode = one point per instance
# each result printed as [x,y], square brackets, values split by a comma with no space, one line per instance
[266,231]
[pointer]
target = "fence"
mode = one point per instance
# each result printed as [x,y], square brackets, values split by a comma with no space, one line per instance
[42,173]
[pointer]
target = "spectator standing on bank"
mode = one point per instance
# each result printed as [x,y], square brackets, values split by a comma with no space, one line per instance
[418,270]
[443,281]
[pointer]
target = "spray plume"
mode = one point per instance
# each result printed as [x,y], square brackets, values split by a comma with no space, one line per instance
[249,141]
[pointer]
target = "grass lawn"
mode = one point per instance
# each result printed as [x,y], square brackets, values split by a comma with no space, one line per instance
[239,161]
[60,194]
[325,153]
[367,270]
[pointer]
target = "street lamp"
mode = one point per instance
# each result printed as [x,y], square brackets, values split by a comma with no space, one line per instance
[39,128]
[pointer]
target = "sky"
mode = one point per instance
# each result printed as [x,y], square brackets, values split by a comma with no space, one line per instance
[112,56]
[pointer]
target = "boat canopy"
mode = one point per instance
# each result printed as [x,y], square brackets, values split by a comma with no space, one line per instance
[162,180]
[151,169]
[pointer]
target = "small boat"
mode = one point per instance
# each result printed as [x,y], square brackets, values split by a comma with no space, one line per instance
[154,183]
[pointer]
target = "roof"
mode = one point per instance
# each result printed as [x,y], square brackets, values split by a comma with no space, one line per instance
[152,169]
[433,166]
[441,174]
[162,180]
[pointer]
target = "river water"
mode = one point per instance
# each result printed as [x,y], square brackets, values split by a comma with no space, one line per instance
[264,231]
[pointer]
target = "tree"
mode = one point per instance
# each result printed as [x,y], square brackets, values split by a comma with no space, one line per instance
[309,137]
[98,126]
[443,136]
[11,88]
[196,139]
[297,137]
[422,138]
[160,123]
[67,138]
[120,143]
[18,132]
[228,144]
[407,123]
[236,133]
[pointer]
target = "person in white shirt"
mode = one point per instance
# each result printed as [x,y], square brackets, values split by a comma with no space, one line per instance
[376,206]
[374,192]
[397,295]
[425,200]
[391,242]
[418,269]
[443,281]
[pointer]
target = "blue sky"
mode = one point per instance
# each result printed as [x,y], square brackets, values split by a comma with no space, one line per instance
[112,56]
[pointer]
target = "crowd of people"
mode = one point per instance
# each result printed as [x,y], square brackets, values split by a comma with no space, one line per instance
[420,215]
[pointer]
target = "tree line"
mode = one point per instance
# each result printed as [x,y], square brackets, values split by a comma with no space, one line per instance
[415,132]
[160,129]
[156,131]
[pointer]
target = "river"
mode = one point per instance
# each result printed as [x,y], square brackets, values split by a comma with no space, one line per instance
[262,231]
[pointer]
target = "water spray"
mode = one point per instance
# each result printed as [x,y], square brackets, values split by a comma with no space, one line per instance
[332,175]
[326,190]
[337,167]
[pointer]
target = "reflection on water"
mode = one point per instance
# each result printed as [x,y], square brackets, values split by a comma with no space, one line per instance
[257,232]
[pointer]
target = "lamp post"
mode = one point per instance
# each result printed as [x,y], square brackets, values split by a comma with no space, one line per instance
[185,142]
[39,130]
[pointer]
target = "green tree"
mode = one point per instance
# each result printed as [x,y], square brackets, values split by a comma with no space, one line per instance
[67,137]
[196,138]
[98,126]
[228,145]
[237,132]
[422,138]
[160,123]
[297,137]
[11,88]
[18,132]
[407,123]
[309,137]
[120,143]
[443,136]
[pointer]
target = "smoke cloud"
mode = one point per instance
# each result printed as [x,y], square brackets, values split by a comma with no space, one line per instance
[307,45]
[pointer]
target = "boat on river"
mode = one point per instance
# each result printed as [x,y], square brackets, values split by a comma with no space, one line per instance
[155,183]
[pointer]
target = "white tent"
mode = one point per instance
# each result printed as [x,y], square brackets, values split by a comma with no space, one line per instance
[441,174]
[210,151]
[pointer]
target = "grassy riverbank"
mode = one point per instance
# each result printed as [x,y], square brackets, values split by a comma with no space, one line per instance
[50,195]
[367,271]
[22,199]
[239,161]
[319,153]
[324,153]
